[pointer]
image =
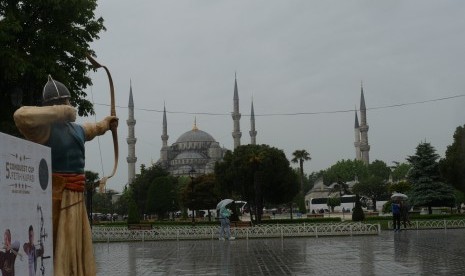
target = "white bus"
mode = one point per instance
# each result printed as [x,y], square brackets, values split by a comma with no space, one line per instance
[320,205]
[347,203]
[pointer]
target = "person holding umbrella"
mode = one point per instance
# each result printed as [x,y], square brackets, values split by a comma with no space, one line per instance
[395,206]
[404,209]
[225,213]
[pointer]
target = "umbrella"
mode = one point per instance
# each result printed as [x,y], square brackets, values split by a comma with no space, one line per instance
[223,203]
[399,196]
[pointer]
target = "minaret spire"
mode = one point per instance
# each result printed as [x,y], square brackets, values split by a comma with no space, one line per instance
[236,116]
[253,132]
[194,128]
[131,140]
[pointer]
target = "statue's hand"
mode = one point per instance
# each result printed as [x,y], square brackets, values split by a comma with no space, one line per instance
[112,121]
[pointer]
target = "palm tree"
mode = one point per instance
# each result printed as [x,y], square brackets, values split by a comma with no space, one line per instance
[301,156]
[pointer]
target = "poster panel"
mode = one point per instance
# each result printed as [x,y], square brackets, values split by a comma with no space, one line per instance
[25,207]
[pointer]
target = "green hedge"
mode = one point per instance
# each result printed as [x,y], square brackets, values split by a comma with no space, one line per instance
[419,217]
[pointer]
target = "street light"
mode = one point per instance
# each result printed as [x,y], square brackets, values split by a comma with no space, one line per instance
[191,175]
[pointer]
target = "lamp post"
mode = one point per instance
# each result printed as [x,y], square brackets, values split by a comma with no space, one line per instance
[191,175]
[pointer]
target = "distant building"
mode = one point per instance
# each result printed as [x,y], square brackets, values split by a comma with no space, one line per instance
[197,149]
[131,140]
[362,148]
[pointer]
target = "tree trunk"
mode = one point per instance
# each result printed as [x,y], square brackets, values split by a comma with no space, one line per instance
[302,176]
[258,195]
[430,210]
[290,205]
[374,204]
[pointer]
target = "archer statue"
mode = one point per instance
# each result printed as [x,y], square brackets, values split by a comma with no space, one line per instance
[53,125]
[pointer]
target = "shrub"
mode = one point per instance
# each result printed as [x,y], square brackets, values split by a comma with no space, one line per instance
[133,213]
[358,214]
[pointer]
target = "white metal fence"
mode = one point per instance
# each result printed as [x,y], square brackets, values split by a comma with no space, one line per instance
[433,224]
[122,233]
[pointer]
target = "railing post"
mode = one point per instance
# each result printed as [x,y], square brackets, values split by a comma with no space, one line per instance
[445,224]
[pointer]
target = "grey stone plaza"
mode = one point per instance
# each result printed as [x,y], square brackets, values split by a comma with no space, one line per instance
[412,252]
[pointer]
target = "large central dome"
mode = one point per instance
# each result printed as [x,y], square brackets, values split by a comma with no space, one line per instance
[195,135]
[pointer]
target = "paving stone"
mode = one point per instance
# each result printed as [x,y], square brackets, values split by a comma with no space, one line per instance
[422,252]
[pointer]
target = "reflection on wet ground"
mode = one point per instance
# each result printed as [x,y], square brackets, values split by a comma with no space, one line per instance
[423,252]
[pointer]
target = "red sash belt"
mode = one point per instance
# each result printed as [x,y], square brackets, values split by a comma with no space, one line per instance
[74,182]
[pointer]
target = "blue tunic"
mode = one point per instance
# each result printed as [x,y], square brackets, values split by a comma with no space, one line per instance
[68,152]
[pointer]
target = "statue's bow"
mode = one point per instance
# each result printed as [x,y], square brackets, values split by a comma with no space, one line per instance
[113,127]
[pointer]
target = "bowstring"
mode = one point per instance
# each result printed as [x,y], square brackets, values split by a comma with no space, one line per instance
[98,137]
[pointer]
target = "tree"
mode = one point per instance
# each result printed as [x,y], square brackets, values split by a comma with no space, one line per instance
[91,184]
[459,199]
[452,167]
[133,212]
[141,184]
[345,171]
[427,188]
[300,156]
[399,171]
[379,169]
[400,187]
[205,193]
[121,206]
[40,38]
[258,173]
[333,202]
[161,196]
[101,202]
[373,187]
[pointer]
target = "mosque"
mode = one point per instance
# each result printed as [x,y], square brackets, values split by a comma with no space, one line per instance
[196,151]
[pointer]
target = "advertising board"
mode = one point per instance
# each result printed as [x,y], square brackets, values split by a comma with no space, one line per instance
[25,207]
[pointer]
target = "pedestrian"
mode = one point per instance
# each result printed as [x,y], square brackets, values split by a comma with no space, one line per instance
[225,228]
[395,206]
[404,215]
[53,125]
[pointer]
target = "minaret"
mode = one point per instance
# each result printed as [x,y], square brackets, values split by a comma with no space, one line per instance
[236,134]
[164,136]
[164,139]
[253,132]
[131,140]
[364,146]
[357,138]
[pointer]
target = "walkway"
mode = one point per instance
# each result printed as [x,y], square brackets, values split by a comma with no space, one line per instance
[422,252]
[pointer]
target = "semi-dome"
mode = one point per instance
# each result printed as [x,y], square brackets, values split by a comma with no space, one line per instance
[189,155]
[195,135]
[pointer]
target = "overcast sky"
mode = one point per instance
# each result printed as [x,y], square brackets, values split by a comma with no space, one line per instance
[290,57]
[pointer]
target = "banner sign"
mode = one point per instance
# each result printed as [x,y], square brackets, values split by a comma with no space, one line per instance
[25,208]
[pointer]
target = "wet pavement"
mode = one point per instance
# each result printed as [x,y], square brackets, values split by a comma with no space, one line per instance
[422,252]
